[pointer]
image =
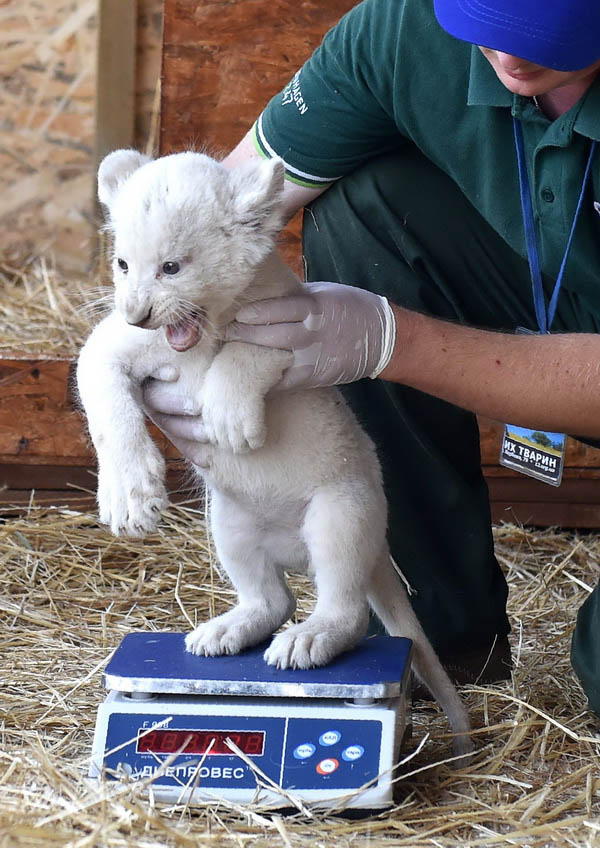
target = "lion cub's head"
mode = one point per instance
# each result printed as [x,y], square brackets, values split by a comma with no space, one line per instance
[189,235]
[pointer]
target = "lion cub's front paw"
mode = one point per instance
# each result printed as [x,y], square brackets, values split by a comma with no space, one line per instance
[238,426]
[132,496]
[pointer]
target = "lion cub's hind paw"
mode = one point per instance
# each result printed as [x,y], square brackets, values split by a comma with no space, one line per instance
[229,633]
[307,645]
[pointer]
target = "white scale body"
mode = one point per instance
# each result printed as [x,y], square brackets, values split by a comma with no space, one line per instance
[328,737]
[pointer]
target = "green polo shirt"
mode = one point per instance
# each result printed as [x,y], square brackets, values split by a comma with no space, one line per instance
[389,75]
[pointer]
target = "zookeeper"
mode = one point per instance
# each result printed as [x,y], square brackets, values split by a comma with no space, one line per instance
[401,136]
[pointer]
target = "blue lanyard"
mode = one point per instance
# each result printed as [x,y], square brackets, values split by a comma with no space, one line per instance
[544,317]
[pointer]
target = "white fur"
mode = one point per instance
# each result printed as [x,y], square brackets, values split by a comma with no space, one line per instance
[294,482]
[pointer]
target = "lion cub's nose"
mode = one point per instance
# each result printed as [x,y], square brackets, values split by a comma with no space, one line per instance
[141,322]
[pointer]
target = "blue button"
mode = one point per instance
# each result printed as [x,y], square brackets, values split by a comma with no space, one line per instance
[353,752]
[330,737]
[304,751]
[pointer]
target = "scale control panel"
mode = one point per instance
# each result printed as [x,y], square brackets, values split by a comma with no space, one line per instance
[297,752]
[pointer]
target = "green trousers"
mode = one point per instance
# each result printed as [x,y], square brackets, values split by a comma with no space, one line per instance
[401,228]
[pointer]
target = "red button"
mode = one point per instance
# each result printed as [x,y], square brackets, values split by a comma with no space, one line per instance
[327,766]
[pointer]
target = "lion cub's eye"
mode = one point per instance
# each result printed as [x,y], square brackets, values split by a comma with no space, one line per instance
[171,267]
[122,265]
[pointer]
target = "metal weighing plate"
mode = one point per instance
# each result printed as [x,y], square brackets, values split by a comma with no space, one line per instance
[158,663]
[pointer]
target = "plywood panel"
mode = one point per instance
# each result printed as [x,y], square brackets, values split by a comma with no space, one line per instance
[40,422]
[222,62]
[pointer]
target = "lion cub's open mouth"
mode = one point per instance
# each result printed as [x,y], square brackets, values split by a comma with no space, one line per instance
[185,333]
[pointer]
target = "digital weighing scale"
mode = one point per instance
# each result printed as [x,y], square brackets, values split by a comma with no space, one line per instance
[203,728]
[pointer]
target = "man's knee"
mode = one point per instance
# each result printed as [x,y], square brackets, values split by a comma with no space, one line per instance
[401,227]
[585,649]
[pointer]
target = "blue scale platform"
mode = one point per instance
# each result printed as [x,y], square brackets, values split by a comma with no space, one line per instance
[158,663]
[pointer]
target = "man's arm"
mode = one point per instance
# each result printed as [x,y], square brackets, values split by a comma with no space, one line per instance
[294,196]
[340,333]
[549,382]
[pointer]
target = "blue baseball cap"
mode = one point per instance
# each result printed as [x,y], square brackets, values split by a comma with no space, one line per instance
[560,34]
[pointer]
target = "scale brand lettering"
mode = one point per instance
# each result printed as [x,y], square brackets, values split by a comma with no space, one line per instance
[190,771]
[292,93]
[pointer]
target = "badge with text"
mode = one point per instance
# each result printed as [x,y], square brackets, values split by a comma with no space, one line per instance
[537,453]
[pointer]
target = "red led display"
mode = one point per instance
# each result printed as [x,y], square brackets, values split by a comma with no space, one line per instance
[162,741]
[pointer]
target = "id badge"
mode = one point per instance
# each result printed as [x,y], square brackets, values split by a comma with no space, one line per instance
[537,453]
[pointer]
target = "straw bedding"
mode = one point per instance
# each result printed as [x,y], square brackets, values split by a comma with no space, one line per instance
[70,592]
[45,314]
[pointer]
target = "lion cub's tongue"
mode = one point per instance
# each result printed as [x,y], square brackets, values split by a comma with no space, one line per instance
[185,334]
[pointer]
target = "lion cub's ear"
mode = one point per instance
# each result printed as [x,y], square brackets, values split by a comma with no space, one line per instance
[115,169]
[258,193]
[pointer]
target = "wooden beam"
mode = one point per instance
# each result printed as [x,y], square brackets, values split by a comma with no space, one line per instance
[115,79]
[115,99]
[75,486]
[572,516]
[115,95]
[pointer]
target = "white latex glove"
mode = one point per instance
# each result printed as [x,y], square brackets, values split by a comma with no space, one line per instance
[338,334]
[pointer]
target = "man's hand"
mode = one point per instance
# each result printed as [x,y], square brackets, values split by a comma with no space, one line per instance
[337,334]
[176,414]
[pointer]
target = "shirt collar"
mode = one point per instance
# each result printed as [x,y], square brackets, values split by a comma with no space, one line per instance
[587,121]
[485,89]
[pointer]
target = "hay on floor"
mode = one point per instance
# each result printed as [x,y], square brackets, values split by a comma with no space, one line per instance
[70,592]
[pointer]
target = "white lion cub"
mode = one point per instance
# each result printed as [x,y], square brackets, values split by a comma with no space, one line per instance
[294,482]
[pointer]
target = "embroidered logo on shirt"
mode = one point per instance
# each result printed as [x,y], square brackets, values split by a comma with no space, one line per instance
[292,93]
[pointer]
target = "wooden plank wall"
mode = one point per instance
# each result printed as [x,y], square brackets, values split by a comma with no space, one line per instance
[44,446]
